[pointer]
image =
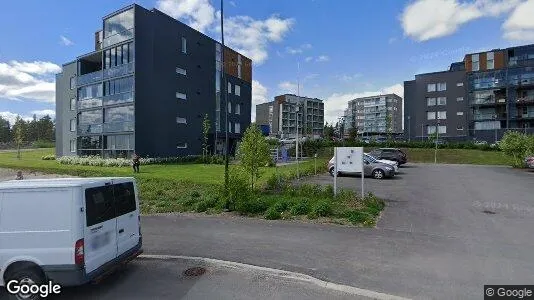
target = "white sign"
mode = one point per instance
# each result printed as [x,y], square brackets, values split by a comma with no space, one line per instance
[349,159]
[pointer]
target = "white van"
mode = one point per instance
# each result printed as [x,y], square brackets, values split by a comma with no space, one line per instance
[68,231]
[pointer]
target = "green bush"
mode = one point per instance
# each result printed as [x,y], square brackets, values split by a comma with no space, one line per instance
[239,192]
[49,157]
[43,144]
[273,214]
[517,145]
[281,205]
[322,208]
[301,207]
[251,206]
[206,204]
[357,217]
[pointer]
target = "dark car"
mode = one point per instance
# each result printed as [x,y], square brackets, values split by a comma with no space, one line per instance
[393,154]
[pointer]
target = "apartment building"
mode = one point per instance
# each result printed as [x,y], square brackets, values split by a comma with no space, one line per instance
[437,102]
[481,97]
[281,115]
[374,115]
[147,87]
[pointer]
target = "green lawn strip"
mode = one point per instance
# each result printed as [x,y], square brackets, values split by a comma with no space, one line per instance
[458,156]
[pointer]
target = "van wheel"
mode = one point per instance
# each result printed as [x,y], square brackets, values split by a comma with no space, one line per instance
[378,174]
[27,276]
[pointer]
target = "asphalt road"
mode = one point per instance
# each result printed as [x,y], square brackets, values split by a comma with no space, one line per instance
[434,241]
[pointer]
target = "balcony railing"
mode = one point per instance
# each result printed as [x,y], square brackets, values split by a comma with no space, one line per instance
[118,37]
[526,99]
[119,70]
[119,98]
[370,104]
[119,127]
[89,128]
[88,103]
[489,116]
[522,82]
[89,78]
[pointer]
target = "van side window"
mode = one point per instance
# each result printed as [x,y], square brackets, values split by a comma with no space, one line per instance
[124,198]
[99,205]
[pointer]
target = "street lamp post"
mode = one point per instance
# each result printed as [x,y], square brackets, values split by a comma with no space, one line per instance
[409,129]
[297,140]
[495,127]
[436,142]
[422,133]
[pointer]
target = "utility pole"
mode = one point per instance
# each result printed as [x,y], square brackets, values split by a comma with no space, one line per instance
[297,114]
[422,133]
[409,129]
[436,142]
[225,91]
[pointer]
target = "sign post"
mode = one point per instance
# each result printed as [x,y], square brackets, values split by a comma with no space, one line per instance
[348,160]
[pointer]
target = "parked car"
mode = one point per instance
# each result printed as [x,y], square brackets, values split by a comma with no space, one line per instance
[393,154]
[373,169]
[69,231]
[529,162]
[394,164]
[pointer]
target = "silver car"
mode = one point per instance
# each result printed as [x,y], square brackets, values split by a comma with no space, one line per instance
[392,163]
[372,169]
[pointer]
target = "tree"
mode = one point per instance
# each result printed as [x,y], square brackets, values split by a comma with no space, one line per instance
[5,131]
[18,130]
[253,152]
[45,129]
[205,132]
[32,133]
[328,131]
[353,133]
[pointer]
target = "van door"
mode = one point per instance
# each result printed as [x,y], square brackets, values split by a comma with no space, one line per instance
[100,236]
[127,216]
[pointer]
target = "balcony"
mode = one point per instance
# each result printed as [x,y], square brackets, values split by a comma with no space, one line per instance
[525,100]
[118,38]
[118,127]
[89,103]
[89,78]
[523,82]
[89,128]
[489,102]
[119,98]
[529,115]
[119,70]
[479,117]
[372,104]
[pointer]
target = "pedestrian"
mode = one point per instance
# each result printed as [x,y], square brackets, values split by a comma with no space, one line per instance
[19,176]
[136,162]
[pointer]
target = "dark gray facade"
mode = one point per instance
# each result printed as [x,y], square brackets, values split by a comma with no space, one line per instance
[148,86]
[436,98]
[65,112]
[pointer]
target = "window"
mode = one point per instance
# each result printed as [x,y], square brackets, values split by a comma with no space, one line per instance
[119,23]
[460,84]
[442,100]
[119,114]
[119,142]
[181,120]
[431,87]
[229,107]
[72,125]
[99,205]
[460,99]
[442,129]
[73,82]
[442,86]
[124,198]
[430,101]
[459,127]
[237,128]
[490,60]
[73,145]
[230,127]
[184,45]
[181,96]
[229,88]
[181,71]
[431,115]
[73,104]
[476,65]
[237,90]
[460,113]
[90,117]
[113,61]
[430,129]
[238,109]
[442,115]
[181,145]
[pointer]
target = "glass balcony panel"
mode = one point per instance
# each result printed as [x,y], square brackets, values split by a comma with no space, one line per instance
[89,78]
[118,127]
[117,71]
[91,128]
[118,38]
[119,98]
[88,103]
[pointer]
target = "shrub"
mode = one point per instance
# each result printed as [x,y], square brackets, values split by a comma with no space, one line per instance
[239,192]
[49,157]
[516,145]
[301,207]
[281,206]
[206,204]
[43,144]
[357,217]
[273,214]
[322,208]
[251,206]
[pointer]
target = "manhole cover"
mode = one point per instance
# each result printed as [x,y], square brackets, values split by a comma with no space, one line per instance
[195,271]
[489,212]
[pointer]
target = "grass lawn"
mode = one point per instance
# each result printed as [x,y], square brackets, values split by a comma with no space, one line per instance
[458,156]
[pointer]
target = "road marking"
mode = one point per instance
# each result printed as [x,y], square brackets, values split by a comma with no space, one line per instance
[284,274]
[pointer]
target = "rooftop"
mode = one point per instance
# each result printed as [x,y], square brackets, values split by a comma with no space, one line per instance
[56,182]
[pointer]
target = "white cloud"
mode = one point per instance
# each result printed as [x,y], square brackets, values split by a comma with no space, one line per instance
[348,77]
[336,103]
[288,87]
[520,25]
[65,41]
[242,33]
[259,95]
[199,14]
[44,112]
[322,58]
[423,20]
[12,117]
[308,59]
[233,3]
[28,80]
[298,49]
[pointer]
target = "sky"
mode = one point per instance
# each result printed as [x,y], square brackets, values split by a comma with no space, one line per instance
[336,50]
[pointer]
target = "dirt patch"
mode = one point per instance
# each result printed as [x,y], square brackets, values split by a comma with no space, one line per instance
[10,174]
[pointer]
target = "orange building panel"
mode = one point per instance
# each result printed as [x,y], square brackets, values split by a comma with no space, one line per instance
[231,65]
